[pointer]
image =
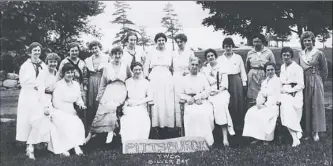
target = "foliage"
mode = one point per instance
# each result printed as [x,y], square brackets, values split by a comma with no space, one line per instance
[144,39]
[248,18]
[322,37]
[51,23]
[171,22]
[278,38]
[121,8]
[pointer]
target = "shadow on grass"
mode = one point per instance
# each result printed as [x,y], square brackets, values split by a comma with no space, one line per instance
[278,152]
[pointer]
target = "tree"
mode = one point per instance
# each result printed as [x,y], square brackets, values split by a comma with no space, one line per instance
[170,22]
[144,39]
[322,38]
[50,23]
[121,18]
[248,18]
[278,38]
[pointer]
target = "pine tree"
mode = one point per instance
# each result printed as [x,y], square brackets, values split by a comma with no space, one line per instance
[171,22]
[121,8]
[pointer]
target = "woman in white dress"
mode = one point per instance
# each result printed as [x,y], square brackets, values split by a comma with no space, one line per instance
[198,112]
[28,98]
[219,95]
[40,119]
[260,120]
[159,60]
[180,64]
[68,131]
[292,85]
[106,118]
[135,123]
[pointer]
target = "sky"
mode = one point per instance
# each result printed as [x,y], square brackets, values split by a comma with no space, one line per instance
[150,13]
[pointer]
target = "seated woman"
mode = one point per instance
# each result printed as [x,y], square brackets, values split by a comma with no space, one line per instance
[135,123]
[292,85]
[40,121]
[68,131]
[219,95]
[198,112]
[260,120]
[106,118]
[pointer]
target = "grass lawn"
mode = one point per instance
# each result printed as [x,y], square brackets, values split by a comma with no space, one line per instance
[279,152]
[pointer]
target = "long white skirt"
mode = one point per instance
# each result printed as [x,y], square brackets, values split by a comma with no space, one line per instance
[66,133]
[222,116]
[291,112]
[135,123]
[260,123]
[177,80]
[27,103]
[199,121]
[163,111]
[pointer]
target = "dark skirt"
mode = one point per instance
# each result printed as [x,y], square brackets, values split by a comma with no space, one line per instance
[92,105]
[314,107]
[237,107]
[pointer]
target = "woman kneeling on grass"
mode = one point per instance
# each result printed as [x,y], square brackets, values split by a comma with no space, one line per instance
[260,120]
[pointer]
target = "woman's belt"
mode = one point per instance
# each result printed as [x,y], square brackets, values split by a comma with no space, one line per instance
[292,84]
[191,94]
[48,92]
[257,68]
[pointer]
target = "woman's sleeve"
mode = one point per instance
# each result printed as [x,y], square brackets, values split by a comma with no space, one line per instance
[242,71]
[40,83]
[147,65]
[79,100]
[182,93]
[271,57]
[59,73]
[225,81]
[300,79]
[57,95]
[26,76]
[102,85]
[323,66]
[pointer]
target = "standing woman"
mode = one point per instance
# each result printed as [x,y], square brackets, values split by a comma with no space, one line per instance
[106,117]
[159,61]
[95,64]
[131,52]
[234,65]
[292,85]
[28,98]
[40,120]
[314,64]
[255,60]
[218,93]
[181,57]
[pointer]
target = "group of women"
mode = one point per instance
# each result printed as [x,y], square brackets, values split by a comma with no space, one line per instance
[67,107]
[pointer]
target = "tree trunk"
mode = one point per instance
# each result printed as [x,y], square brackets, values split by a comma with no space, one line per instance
[282,43]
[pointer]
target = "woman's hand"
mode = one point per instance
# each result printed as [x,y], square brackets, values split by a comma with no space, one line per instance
[46,111]
[185,73]
[261,106]
[191,101]
[199,102]
[213,93]
[82,107]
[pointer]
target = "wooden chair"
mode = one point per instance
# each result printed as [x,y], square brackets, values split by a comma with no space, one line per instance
[182,108]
